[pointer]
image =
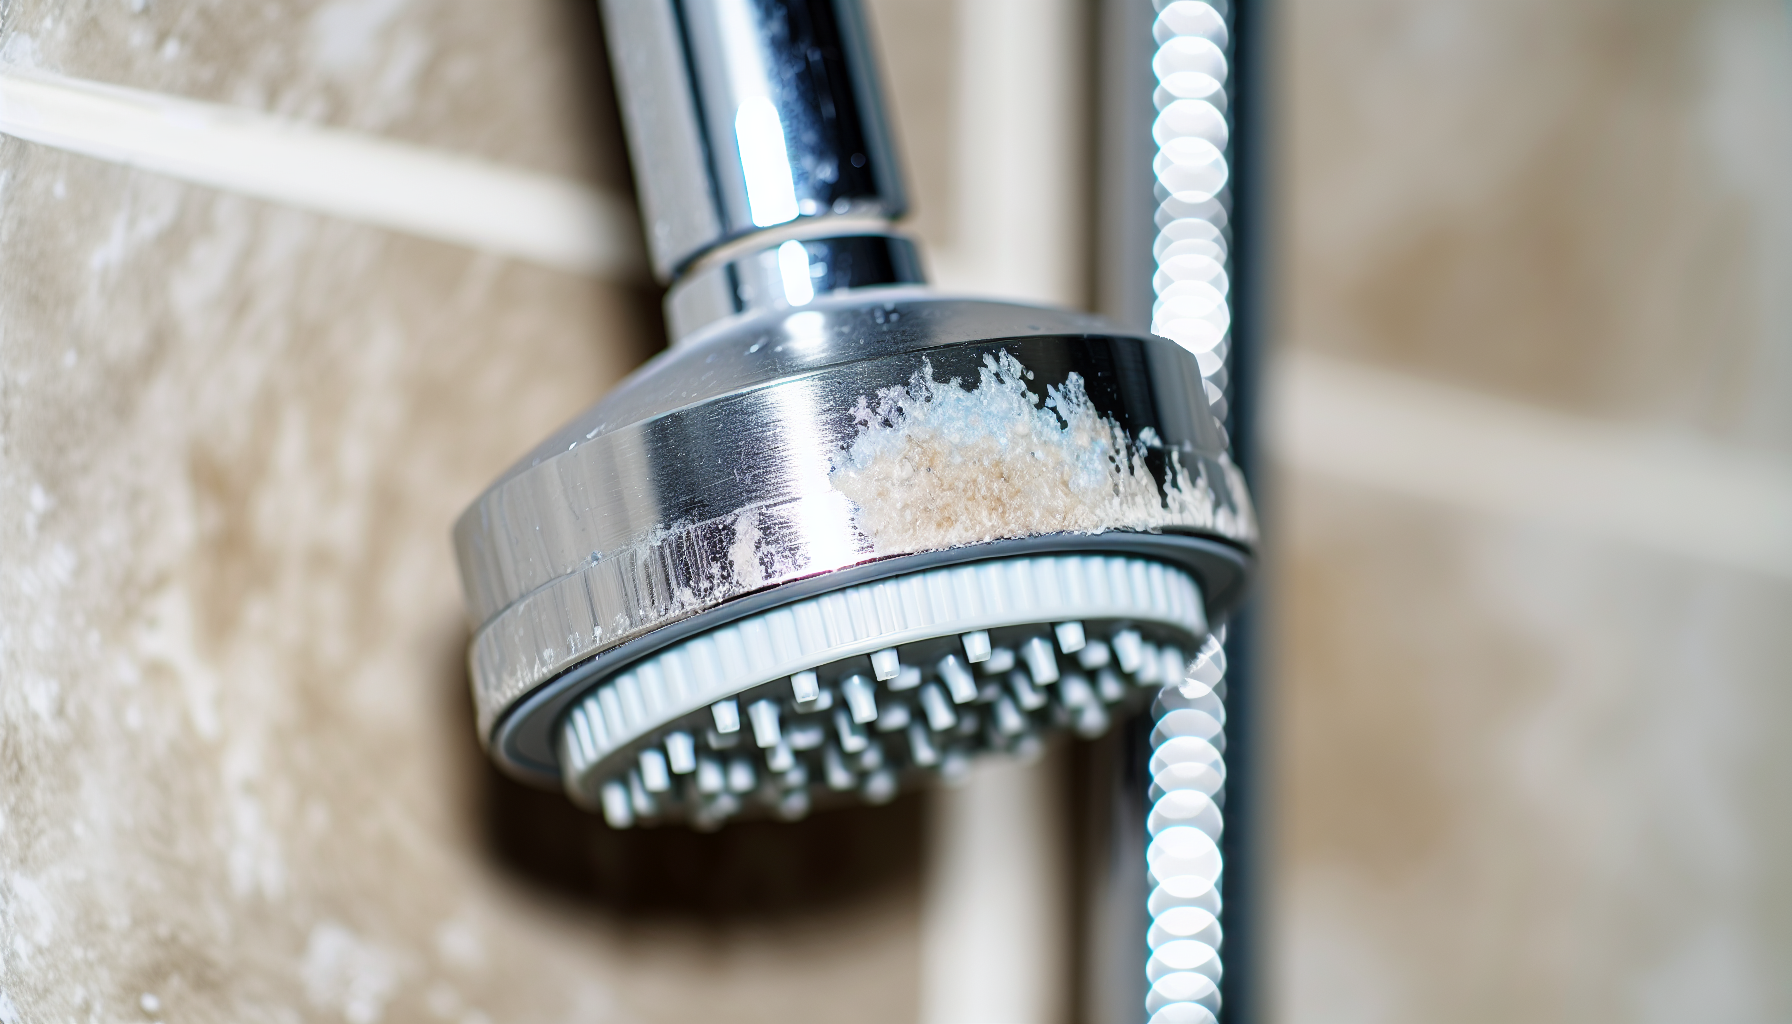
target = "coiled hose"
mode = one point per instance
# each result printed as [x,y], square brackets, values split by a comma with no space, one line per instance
[1188,777]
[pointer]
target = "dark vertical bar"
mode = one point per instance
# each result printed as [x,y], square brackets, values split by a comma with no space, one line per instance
[1245,843]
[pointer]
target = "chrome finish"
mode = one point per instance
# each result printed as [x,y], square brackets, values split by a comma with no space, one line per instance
[746,114]
[785,275]
[822,422]
[710,477]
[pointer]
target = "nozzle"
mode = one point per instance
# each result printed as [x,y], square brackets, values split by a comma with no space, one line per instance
[846,535]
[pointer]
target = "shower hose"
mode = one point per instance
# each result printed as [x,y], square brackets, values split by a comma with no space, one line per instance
[1188,775]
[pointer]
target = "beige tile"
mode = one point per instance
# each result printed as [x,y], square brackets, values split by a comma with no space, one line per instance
[239,769]
[921,83]
[1524,773]
[520,83]
[1580,204]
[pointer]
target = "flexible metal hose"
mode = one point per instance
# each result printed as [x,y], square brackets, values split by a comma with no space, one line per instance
[1192,308]
[1188,776]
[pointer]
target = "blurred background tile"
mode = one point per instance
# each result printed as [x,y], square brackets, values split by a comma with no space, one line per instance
[1527,768]
[1524,764]
[1578,204]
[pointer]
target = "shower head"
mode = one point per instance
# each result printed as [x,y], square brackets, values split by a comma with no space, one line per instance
[846,533]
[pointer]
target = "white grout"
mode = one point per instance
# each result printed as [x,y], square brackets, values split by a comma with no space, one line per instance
[441,196]
[1664,491]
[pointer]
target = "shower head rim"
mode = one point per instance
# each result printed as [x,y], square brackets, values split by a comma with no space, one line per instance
[524,729]
[926,319]
[611,536]
[923,633]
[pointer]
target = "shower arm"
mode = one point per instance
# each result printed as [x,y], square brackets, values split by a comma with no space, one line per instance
[765,167]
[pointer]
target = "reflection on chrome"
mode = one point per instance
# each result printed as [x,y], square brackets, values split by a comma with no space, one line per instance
[1188,777]
[765,162]
[793,269]
[1192,174]
[758,128]
[1192,67]
[807,331]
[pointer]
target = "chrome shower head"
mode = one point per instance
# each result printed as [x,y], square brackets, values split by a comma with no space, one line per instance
[846,533]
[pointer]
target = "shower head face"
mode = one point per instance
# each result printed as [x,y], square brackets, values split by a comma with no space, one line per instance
[876,435]
[849,695]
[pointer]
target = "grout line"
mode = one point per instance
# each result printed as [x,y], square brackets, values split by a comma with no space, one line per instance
[461,200]
[1665,491]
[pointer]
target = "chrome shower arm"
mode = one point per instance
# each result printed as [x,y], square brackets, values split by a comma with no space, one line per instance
[753,124]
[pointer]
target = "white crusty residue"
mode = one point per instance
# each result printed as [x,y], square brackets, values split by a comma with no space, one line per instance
[935,464]
[743,554]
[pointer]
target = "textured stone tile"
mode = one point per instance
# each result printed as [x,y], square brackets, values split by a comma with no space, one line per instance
[1524,773]
[239,774]
[1527,772]
[1580,204]
[524,84]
